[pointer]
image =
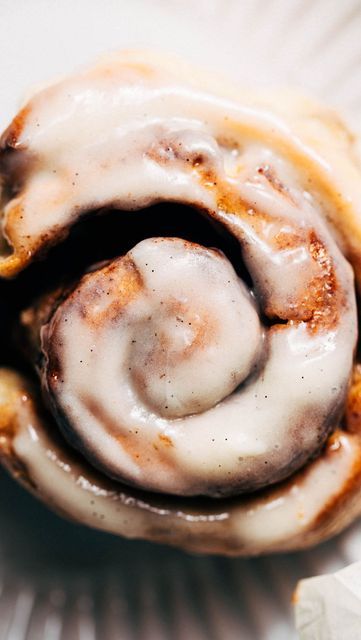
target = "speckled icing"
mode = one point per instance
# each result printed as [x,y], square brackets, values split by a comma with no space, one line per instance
[161,367]
[142,359]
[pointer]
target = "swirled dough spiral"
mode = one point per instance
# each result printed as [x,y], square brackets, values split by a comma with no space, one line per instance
[143,357]
[162,367]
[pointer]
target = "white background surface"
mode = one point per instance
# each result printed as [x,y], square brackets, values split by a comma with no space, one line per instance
[59,581]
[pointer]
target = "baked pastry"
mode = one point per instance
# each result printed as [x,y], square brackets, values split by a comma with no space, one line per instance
[182,394]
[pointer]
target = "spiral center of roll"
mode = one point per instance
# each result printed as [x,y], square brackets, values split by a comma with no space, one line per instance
[170,325]
[196,316]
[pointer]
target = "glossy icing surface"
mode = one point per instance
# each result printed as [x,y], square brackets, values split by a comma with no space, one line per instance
[308,507]
[162,367]
[145,362]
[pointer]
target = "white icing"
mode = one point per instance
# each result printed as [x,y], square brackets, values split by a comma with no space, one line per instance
[204,334]
[105,136]
[285,518]
[134,364]
[129,134]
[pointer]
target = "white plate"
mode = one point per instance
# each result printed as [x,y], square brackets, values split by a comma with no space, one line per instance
[59,581]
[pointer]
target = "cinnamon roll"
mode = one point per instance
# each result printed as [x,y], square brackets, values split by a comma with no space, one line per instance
[199,393]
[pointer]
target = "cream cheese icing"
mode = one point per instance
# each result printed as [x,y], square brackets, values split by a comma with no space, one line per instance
[142,359]
[311,505]
[178,378]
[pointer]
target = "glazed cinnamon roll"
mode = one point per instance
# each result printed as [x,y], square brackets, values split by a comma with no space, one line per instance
[200,393]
